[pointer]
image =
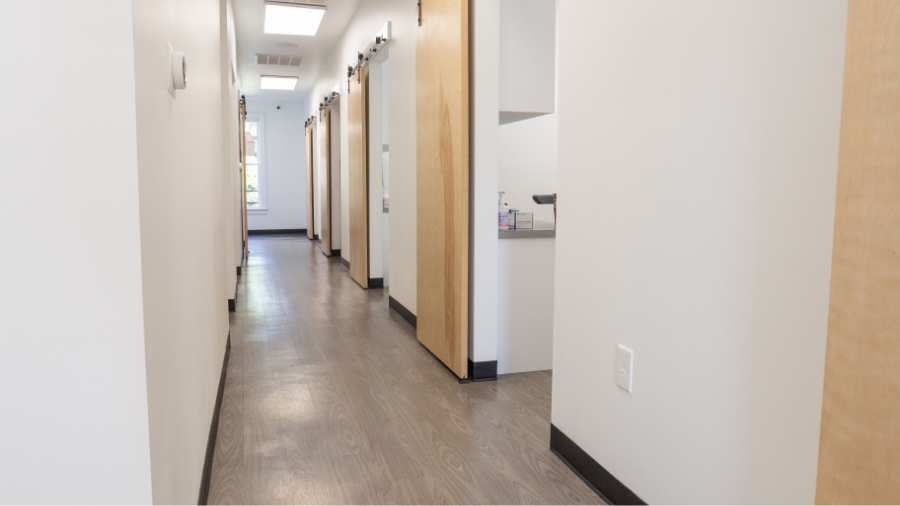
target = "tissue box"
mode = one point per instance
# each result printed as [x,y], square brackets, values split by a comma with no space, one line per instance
[524,221]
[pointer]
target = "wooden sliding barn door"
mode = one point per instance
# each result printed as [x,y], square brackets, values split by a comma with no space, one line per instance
[442,130]
[859,451]
[310,191]
[324,139]
[357,135]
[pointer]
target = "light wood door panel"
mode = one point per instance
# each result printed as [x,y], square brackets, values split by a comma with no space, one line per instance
[357,136]
[310,191]
[324,146]
[442,130]
[859,453]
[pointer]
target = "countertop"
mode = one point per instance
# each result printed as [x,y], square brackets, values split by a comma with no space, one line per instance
[541,230]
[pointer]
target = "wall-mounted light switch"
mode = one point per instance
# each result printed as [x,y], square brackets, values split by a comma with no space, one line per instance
[624,367]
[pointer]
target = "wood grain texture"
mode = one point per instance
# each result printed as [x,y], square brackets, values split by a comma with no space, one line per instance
[310,182]
[358,139]
[442,136]
[329,399]
[859,454]
[324,146]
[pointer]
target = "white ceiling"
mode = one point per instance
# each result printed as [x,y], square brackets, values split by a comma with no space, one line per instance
[249,16]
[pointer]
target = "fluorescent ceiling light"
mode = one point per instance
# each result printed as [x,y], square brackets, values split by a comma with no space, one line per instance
[293,19]
[278,83]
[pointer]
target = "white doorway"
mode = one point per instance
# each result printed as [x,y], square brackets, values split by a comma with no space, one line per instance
[379,168]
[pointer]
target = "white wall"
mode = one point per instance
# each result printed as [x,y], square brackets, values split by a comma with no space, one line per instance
[339,119]
[318,182]
[339,215]
[285,159]
[528,161]
[231,164]
[183,180]
[527,58]
[386,166]
[697,169]
[376,189]
[72,369]
[366,23]
[483,178]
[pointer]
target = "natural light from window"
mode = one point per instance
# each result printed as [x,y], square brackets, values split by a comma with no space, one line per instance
[252,139]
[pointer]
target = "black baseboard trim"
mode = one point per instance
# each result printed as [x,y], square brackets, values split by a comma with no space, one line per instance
[401,310]
[280,231]
[239,270]
[483,371]
[214,430]
[232,303]
[335,252]
[345,262]
[315,237]
[596,476]
[376,282]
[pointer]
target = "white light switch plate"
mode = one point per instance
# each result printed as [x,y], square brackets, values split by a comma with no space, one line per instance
[624,367]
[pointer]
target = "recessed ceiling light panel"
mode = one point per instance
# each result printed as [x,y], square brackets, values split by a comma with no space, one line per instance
[278,83]
[293,19]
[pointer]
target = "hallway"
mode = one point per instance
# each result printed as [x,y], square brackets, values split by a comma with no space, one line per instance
[329,399]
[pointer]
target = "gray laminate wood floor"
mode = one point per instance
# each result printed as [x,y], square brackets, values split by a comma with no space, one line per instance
[330,399]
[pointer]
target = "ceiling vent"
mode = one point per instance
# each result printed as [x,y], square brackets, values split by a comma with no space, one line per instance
[278,59]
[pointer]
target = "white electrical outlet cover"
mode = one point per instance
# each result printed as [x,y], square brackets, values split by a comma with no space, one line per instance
[624,368]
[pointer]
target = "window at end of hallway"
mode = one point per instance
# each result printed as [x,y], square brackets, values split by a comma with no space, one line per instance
[255,167]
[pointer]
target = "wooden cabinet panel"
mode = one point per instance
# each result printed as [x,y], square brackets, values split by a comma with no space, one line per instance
[859,453]
[442,125]
[357,136]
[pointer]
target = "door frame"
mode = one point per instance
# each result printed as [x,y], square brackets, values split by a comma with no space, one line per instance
[243,153]
[358,139]
[310,181]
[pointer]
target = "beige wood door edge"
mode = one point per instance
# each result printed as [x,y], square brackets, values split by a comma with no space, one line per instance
[859,451]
